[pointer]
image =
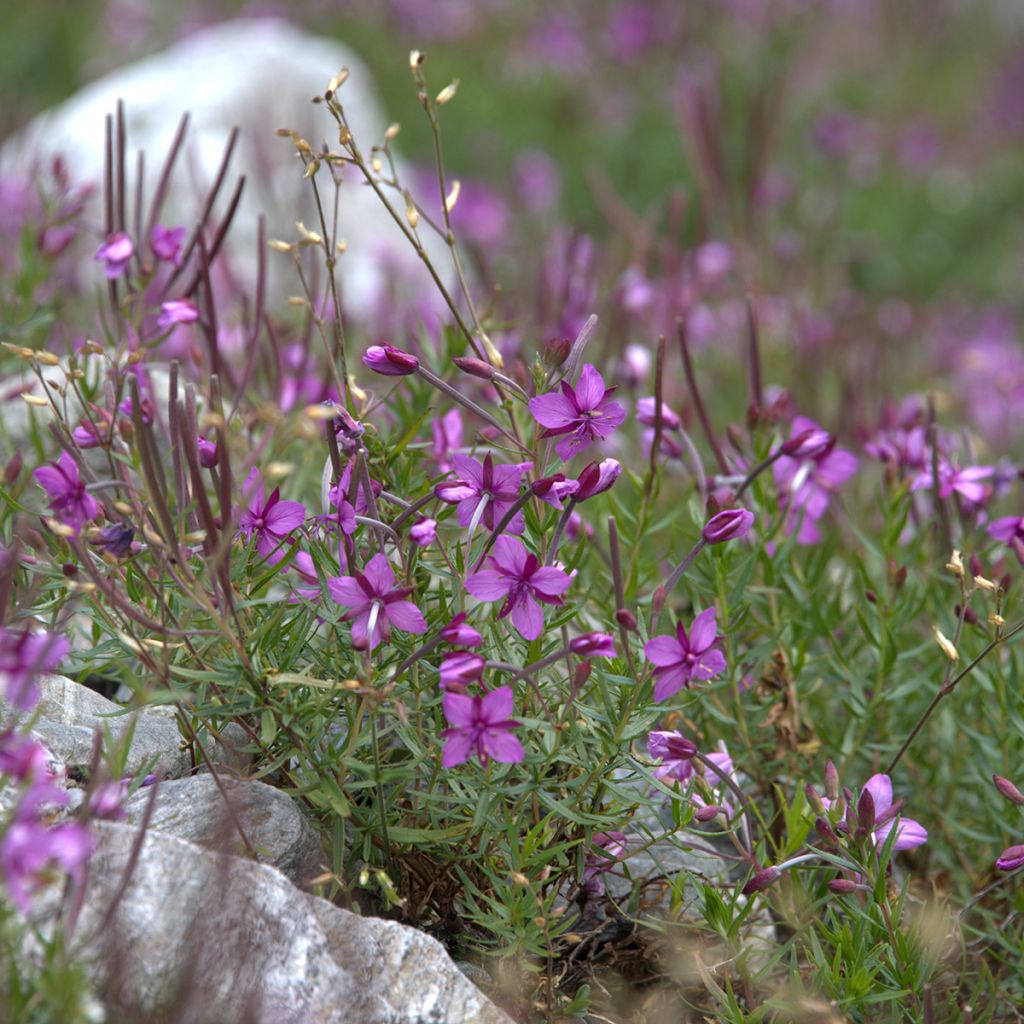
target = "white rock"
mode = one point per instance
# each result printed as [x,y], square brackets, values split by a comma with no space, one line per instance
[258,74]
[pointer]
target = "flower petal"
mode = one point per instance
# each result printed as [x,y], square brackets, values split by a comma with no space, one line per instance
[553,410]
[406,616]
[880,788]
[501,745]
[488,585]
[664,651]
[528,618]
[703,631]
[590,388]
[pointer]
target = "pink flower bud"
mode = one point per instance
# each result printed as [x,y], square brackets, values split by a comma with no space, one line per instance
[807,444]
[1009,790]
[1011,859]
[474,367]
[591,645]
[458,631]
[843,885]
[390,361]
[207,452]
[624,617]
[460,668]
[597,478]
[762,880]
[831,781]
[424,533]
[708,812]
[731,524]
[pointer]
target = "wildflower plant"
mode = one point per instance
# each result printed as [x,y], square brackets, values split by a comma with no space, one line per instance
[497,679]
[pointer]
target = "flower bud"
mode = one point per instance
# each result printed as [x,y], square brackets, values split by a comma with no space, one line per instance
[825,830]
[762,880]
[591,645]
[556,351]
[831,781]
[390,361]
[708,812]
[597,478]
[866,811]
[731,524]
[460,668]
[1009,790]
[624,617]
[1011,859]
[207,452]
[474,367]
[814,799]
[843,886]
[458,631]
[808,444]
[424,533]
[646,412]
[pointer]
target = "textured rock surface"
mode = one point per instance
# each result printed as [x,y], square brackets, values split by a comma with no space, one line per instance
[206,938]
[257,74]
[194,809]
[70,714]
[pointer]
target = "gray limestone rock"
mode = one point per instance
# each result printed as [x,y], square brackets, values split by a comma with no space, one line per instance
[206,938]
[271,822]
[69,715]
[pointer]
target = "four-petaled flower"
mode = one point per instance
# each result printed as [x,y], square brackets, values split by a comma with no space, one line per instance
[586,413]
[517,576]
[483,492]
[375,604]
[682,659]
[480,724]
[71,502]
[115,252]
[177,311]
[270,520]
[24,656]
[887,816]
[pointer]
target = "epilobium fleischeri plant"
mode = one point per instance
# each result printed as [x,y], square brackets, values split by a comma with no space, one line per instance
[508,598]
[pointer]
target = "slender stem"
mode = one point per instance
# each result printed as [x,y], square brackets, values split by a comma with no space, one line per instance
[698,402]
[559,530]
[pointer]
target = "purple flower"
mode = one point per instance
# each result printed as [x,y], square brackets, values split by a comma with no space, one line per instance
[390,361]
[460,668]
[593,645]
[676,753]
[375,604]
[966,482]
[483,491]
[681,659]
[177,311]
[1009,530]
[554,489]
[517,576]
[28,848]
[585,413]
[270,519]
[115,252]
[72,504]
[481,725]
[24,656]
[166,243]
[646,414]
[460,633]
[22,758]
[107,801]
[731,524]
[1011,859]
[424,533]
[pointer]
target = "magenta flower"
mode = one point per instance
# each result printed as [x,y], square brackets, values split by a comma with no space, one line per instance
[585,413]
[115,252]
[517,576]
[22,758]
[207,452]
[28,848]
[682,659]
[483,491]
[270,520]
[481,725]
[966,482]
[24,656]
[375,604]
[909,832]
[607,848]
[177,311]
[166,243]
[1009,530]
[72,504]
[730,524]
[596,478]
[460,633]
[390,361]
